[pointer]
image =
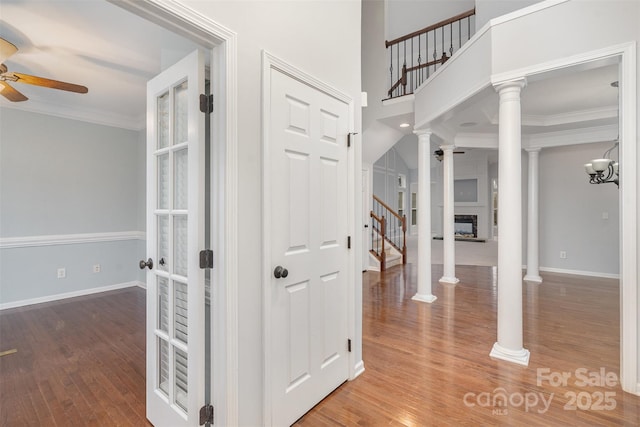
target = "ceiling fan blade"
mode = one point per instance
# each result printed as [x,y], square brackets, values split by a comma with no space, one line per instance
[6,49]
[54,84]
[10,93]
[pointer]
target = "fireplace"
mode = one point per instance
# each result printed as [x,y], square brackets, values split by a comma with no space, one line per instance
[466,226]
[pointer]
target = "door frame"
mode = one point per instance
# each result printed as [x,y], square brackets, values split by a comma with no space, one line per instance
[222,43]
[354,326]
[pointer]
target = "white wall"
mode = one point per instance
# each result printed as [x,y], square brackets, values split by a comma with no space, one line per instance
[64,177]
[323,39]
[489,9]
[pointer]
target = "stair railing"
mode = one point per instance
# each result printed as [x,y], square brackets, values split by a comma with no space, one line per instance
[378,230]
[414,57]
[390,227]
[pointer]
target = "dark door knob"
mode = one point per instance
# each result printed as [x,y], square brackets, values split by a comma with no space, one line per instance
[148,263]
[280,272]
[161,262]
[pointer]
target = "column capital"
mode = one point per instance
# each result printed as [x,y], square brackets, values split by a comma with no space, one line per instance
[421,132]
[533,150]
[519,84]
[447,147]
[424,136]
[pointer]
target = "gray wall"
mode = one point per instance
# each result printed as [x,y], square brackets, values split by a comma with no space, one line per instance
[406,16]
[61,177]
[385,178]
[571,212]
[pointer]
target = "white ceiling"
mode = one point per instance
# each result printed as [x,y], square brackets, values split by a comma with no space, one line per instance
[92,43]
[566,107]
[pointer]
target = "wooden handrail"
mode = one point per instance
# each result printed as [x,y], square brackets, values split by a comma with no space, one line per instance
[376,217]
[432,27]
[405,71]
[387,207]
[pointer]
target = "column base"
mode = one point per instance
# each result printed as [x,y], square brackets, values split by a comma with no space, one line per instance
[449,280]
[424,298]
[521,357]
[534,278]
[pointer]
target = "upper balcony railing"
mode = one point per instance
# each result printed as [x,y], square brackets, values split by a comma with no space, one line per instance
[414,57]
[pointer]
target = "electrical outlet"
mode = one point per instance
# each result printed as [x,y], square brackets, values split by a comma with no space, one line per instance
[96,268]
[62,273]
[563,254]
[605,215]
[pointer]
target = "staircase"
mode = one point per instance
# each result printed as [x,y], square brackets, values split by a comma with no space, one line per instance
[388,237]
[414,57]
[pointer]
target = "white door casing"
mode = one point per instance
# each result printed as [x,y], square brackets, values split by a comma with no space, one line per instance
[175,235]
[306,231]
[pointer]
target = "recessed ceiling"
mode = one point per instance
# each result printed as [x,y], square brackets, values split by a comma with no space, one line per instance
[572,100]
[92,43]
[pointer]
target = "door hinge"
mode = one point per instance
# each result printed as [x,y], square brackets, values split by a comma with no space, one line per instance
[349,345]
[348,242]
[206,258]
[206,103]
[206,414]
[349,138]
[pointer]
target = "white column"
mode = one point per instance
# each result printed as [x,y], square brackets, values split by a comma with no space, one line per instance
[533,274]
[509,345]
[424,218]
[448,232]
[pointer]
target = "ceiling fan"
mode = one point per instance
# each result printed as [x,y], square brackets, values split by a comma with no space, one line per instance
[6,50]
[439,154]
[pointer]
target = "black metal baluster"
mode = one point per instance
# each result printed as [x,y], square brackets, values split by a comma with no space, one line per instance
[412,87]
[419,59]
[391,70]
[450,40]
[404,67]
[442,31]
[398,70]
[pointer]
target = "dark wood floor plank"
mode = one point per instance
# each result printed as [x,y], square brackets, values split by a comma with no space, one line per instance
[81,362]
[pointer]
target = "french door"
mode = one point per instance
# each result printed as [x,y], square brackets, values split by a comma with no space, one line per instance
[175,235]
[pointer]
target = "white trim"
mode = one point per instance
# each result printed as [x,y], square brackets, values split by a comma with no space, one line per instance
[571,137]
[628,219]
[569,117]
[69,239]
[399,100]
[269,63]
[534,8]
[578,272]
[102,118]
[358,370]
[73,294]
[198,27]
[608,53]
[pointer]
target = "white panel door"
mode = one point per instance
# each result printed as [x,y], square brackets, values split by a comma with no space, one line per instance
[175,235]
[309,211]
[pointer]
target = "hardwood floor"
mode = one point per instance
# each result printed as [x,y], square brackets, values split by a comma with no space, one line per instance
[428,364]
[79,362]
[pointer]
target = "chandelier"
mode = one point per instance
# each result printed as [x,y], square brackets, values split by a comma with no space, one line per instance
[604,170]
